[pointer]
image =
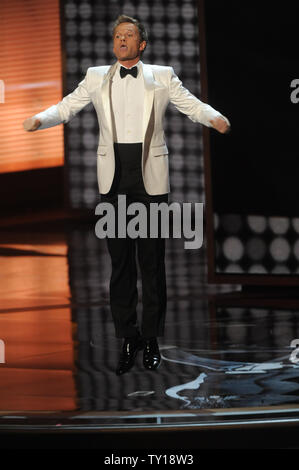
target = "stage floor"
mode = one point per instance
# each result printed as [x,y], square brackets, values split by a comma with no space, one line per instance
[227,356]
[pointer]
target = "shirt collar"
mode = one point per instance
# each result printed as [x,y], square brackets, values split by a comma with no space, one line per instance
[136,65]
[117,75]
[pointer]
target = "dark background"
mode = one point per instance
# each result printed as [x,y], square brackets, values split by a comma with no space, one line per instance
[252,58]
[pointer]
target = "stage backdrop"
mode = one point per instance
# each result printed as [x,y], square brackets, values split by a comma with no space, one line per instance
[173,40]
[30,81]
[251,74]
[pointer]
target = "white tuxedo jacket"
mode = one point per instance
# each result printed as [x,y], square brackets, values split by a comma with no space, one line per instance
[161,86]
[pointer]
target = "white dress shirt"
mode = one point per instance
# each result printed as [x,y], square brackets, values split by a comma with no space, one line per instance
[127,106]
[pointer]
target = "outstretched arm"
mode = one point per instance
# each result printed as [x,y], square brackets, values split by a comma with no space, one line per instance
[63,111]
[195,109]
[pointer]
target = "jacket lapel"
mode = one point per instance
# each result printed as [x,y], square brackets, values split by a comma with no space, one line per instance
[149,87]
[106,97]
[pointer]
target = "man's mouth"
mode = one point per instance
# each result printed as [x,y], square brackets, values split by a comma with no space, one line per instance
[123,48]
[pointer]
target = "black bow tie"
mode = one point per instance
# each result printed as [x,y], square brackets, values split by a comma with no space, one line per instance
[133,71]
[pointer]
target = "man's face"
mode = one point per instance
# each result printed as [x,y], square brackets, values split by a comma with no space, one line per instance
[126,42]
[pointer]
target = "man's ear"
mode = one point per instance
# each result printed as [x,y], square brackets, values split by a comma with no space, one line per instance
[142,45]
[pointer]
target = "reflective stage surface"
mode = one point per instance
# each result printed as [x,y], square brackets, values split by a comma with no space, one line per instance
[228,357]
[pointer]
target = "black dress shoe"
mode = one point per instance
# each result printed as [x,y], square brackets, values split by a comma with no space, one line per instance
[129,352]
[151,354]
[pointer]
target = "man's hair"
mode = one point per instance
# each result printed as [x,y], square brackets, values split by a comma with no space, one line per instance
[128,19]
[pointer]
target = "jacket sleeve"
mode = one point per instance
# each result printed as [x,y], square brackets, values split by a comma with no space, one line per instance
[67,108]
[188,104]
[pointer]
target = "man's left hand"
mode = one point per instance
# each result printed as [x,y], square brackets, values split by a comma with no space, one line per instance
[220,125]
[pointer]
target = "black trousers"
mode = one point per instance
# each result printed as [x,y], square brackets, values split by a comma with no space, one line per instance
[150,254]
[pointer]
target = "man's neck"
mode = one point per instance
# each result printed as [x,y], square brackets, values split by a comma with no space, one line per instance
[129,63]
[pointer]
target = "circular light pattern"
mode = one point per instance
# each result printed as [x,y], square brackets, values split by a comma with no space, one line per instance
[88,120]
[71,28]
[176,162]
[85,64]
[100,28]
[274,251]
[89,158]
[86,47]
[256,249]
[173,30]
[193,181]
[257,223]
[295,224]
[189,31]
[128,9]
[279,225]
[233,269]
[89,140]
[73,65]
[175,123]
[174,48]
[177,141]
[280,249]
[75,140]
[189,49]
[158,30]
[74,123]
[70,10]
[187,12]
[159,49]
[85,10]
[176,195]
[192,195]
[177,66]
[89,196]
[177,179]
[100,47]
[257,269]
[296,250]
[72,47]
[172,10]
[194,164]
[282,269]
[89,177]
[233,249]
[75,176]
[157,10]
[143,11]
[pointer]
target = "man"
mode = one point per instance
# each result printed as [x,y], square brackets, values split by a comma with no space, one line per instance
[130,99]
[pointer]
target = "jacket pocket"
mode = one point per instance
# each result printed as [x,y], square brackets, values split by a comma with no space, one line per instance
[159,150]
[102,150]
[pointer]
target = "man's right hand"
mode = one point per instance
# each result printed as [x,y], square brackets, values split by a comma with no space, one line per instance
[31,124]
